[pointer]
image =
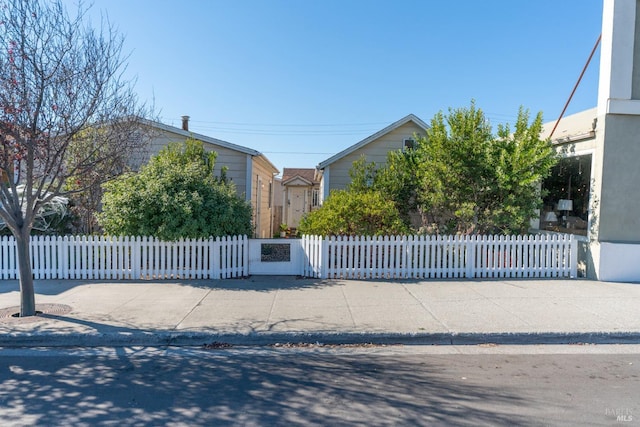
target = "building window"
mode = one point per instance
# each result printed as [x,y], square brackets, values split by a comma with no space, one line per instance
[408,144]
[566,195]
[315,197]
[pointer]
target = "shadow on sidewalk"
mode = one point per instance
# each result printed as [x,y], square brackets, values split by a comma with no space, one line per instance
[45,287]
[251,283]
[68,324]
[261,283]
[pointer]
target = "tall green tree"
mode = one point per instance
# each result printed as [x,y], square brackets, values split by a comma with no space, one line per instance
[472,181]
[175,195]
[463,178]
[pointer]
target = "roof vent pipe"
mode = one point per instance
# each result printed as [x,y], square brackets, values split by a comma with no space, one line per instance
[185,122]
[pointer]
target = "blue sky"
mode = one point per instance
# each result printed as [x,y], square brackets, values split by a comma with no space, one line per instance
[300,80]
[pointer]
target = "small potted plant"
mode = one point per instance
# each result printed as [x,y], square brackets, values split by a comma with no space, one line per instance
[283,230]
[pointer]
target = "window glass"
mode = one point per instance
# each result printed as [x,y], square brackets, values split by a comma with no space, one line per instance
[566,196]
[409,144]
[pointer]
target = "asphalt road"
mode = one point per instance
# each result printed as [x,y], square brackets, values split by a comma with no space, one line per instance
[321,386]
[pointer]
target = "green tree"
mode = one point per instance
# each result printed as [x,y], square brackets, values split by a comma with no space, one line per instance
[354,213]
[175,195]
[399,181]
[463,178]
[472,181]
[364,176]
[396,180]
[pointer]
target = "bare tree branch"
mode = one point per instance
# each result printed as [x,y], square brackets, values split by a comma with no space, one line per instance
[67,112]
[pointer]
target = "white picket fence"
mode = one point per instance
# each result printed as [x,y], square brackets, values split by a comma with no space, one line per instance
[100,257]
[423,257]
[388,257]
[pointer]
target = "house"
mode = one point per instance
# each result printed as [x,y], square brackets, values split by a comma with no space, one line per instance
[334,172]
[301,194]
[251,171]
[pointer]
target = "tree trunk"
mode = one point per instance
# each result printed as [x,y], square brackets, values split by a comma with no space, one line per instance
[27,291]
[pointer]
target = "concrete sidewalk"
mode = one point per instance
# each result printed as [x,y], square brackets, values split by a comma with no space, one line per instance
[276,309]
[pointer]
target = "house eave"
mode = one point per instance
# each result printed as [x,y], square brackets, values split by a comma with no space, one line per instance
[367,140]
[574,138]
[201,137]
[297,178]
[263,158]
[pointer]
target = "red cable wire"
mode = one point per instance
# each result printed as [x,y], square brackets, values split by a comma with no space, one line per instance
[577,84]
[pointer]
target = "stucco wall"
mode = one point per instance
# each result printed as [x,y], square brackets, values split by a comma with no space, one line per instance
[619,216]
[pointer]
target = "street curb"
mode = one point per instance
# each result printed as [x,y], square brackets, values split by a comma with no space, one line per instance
[184,339]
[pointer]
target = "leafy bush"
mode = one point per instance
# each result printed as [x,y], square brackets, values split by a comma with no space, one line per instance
[366,213]
[175,195]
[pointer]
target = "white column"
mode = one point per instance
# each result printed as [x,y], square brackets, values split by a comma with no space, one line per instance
[617,58]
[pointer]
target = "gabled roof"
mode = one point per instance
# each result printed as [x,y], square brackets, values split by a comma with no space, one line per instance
[367,140]
[305,174]
[207,139]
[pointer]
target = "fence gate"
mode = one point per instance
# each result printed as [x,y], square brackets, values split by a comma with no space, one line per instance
[276,257]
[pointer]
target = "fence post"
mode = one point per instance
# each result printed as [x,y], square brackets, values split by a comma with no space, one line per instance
[311,259]
[4,248]
[200,258]
[313,256]
[63,258]
[317,258]
[214,257]
[304,257]
[136,257]
[245,257]
[4,268]
[409,265]
[224,266]
[238,248]
[324,258]
[470,256]
[574,256]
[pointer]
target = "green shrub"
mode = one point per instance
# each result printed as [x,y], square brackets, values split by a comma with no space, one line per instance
[175,196]
[353,213]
